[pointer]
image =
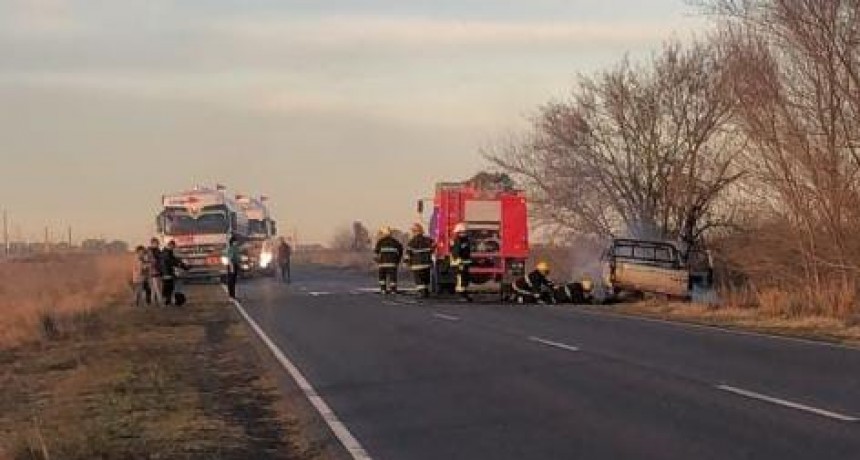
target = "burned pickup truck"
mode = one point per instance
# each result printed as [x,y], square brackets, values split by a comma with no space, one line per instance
[632,266]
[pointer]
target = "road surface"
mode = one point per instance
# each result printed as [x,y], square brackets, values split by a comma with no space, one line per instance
[445,380]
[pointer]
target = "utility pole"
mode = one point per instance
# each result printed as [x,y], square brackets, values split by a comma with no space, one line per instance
[47,241]
[70,237]
[5,232]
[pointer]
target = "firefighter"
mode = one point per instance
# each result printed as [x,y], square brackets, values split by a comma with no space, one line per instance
[419,256]
[461,259]
[536,286]
[389,253]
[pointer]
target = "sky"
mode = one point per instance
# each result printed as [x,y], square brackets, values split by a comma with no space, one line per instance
[337,110]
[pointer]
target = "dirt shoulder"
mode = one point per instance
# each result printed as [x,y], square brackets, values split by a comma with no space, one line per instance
[819,328]
[153,383]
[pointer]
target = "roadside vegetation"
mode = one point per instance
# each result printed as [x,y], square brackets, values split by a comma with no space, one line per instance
[84,375]
[47,296]
[746,142]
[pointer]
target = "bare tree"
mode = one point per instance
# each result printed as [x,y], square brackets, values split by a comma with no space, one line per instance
[796,75]
[343,239]
[639,150]
[360,237]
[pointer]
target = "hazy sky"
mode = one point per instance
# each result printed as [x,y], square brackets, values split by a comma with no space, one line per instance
[338,110]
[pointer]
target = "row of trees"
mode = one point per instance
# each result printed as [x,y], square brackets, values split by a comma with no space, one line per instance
[748,141]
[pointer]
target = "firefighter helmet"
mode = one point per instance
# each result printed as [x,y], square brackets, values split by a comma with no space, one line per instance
[460,228]
[543,268]
[417,229]
[385,230]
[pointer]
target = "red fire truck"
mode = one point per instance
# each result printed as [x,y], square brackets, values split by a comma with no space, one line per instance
[497,222]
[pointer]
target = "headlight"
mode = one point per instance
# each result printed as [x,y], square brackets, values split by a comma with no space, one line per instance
[265,259]
[225,260]
[244,258]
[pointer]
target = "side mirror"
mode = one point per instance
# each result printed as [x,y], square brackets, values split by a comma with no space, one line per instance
[420,206]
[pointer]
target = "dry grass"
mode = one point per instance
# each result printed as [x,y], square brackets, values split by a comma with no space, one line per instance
[769,320]
[49,295]
[148,383]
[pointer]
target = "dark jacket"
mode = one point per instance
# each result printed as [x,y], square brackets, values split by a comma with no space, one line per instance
[156,261]
[169,264]
[389,252]
[285,251]
[419,252]
[535,282]
[461,249]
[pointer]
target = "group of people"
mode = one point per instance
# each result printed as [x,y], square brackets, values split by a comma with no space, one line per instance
[154,275]
[418,255]
[534,287]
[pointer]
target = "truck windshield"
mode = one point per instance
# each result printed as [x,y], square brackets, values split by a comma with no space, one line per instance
[257,227]
[182,223]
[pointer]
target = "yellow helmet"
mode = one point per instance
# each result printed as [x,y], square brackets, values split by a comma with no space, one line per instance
[460,228]
[385,230]
[418,229]
[542,267]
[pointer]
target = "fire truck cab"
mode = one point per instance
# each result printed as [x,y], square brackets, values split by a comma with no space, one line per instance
[497,222]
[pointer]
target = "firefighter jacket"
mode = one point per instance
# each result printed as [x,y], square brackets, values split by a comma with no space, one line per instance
[419,252]
[533,283]
[461,250]
[389,252]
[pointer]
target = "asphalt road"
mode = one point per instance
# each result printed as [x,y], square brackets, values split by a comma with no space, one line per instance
[444,380]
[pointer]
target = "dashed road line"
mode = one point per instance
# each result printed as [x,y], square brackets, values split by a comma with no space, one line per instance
[446,317]
[551,343]
[786,403]
[346,438]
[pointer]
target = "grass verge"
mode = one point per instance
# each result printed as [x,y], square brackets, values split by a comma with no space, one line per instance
[822,328]
[147,383]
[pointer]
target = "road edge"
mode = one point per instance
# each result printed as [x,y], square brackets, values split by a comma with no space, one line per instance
[347,440]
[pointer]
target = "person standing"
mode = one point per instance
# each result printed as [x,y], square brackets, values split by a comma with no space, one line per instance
[285,254]
[389,254]
[168,272]
[419,256]
[461,259]
[154,257]
[233,259]
[140,277]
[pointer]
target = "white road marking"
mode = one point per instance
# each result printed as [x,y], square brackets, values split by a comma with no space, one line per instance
[789,404]
[374,290]
[551,343]
[446,317]
[350,443]
[318,293]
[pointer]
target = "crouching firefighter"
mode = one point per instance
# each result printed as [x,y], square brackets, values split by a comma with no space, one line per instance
[535,287]
[461,259]
[389,253]
[419,256]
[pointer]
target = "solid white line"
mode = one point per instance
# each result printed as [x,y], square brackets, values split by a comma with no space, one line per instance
[550,343]
[446,317]
[337,427]
[785,403]
[318,293]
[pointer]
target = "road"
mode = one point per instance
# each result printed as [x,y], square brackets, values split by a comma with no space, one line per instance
[445,380]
